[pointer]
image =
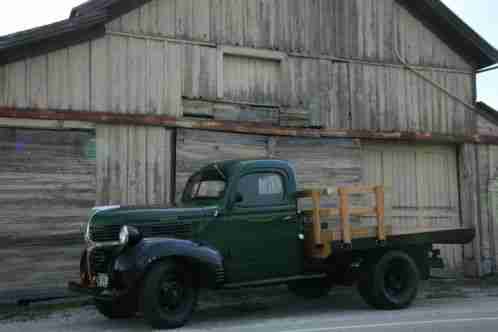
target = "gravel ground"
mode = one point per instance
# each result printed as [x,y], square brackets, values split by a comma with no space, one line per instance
[274,309]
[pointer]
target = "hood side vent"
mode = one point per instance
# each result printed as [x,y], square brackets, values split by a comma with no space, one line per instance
[170,228]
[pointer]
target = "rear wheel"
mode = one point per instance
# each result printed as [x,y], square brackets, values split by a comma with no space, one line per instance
[311,288]
[169,295]
[390,282]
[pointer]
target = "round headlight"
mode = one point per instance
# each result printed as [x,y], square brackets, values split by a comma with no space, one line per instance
[124,235]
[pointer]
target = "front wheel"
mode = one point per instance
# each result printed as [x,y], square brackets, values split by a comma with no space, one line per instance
[169,295]
[390,282]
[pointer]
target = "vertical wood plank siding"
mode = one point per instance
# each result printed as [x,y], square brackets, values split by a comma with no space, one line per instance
[47,186]
[469,205]
[422,184]
[134,165]
[131,75]
[361,29]
[488,179]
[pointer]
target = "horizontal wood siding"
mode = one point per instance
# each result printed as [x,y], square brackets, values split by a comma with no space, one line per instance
[360,29]
[47,186]
[318,162]
[134,165]
[423,186]
[196,149]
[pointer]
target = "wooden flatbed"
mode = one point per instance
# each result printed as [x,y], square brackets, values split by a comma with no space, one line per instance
[320,242]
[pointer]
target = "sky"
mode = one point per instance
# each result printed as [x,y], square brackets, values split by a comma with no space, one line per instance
[479,14]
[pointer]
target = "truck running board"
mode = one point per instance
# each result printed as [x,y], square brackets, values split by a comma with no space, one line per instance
[275,281]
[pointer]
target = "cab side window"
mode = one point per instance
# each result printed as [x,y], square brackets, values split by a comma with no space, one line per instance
[262,189]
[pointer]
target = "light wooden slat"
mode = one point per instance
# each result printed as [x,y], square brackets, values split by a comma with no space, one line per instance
[16,91]
[175,77]
[156,77]
[119,74]
[3,85]
[100,82]
[58,79]
[166,17]
[79,77]
[37,81]
[137,79]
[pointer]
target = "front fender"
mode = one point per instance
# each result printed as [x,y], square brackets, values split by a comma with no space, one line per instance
[206,262]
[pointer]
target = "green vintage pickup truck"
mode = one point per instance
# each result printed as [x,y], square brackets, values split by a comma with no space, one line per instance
[239,225]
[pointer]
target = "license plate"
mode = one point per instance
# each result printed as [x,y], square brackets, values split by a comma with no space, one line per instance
[102,281]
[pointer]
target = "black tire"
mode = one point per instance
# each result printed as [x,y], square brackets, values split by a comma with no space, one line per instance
[311,288]
[116,309]
[169,295]
[390,282]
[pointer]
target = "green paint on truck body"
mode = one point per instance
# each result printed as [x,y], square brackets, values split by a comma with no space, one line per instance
[257,236]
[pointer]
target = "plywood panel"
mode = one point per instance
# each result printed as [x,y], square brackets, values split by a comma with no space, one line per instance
[47,188]
[134,165]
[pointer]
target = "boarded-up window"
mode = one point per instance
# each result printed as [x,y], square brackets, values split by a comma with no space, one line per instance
[251,79]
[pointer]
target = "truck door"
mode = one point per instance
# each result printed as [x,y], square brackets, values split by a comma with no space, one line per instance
[263,229]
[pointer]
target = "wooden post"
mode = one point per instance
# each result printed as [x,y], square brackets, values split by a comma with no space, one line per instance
[317,226]
[379,209]
[344,212]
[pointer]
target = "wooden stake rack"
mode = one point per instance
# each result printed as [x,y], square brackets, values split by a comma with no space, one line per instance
[319,240]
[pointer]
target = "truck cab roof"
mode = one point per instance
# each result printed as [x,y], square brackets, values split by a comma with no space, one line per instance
[231,167]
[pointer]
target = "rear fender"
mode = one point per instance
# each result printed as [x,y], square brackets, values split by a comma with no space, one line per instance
[206,263]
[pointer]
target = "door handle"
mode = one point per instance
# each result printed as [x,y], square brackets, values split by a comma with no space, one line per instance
[288,218]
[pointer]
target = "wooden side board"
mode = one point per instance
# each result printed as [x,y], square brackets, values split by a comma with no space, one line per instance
[320,240]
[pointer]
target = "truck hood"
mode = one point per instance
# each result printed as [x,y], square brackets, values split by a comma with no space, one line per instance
[113,215]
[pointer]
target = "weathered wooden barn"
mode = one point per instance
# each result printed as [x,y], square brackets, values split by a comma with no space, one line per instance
[119,103]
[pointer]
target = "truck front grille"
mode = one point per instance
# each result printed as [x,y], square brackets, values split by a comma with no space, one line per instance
[174,229]
[100,258]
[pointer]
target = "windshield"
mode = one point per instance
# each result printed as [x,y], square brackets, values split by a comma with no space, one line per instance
[205,187]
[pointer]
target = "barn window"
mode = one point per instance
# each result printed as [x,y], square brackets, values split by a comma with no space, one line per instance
[248,75]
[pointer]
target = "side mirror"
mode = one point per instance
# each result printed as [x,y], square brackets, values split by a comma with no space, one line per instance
[239,198]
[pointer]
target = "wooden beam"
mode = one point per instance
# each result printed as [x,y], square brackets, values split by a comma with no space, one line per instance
[237,127]
[332,212]
[344,212]
[46,124]
[317,225]
[379,209]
